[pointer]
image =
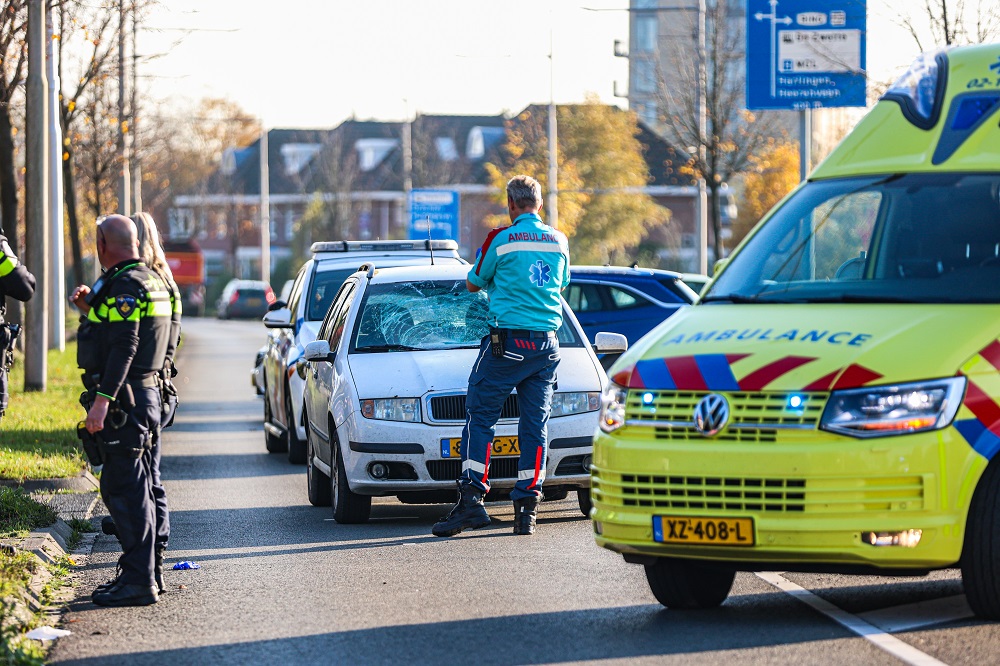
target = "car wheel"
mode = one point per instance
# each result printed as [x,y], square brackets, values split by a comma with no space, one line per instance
[583,500]
[981,551]
[274,443]
[296,447]
[348,507]
[317,483]
[683,584]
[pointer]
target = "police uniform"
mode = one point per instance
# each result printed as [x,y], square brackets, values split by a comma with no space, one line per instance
[523,268]
[19,284]
[122,345]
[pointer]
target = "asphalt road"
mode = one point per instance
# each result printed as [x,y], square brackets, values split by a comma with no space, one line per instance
[281,582]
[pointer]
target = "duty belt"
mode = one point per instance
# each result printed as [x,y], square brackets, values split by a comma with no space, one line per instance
[522,333]
[147,381]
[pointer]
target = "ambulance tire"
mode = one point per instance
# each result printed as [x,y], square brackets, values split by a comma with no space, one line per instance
[296,446]
[981,551]
[583,501]
[317,483]
[273,443]
[349,508]
[682,584]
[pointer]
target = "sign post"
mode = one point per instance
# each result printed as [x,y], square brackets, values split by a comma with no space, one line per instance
[806,54]
[434,214]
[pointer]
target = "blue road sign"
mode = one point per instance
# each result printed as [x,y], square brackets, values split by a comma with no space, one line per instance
[436,208]
[804,54]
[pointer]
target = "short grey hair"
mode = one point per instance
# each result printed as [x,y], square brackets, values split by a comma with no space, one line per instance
[524,191]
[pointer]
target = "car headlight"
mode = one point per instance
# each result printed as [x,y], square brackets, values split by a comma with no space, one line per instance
[564,404]
[613,407]
[880,411]
[392,409]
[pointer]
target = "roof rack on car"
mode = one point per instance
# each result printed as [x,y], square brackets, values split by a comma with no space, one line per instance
[369,246]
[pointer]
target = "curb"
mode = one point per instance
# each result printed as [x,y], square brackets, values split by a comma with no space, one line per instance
[84,482]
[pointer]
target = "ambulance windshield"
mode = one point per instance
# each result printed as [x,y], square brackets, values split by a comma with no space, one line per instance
[914,238]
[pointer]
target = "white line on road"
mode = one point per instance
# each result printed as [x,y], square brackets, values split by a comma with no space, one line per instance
[882,640]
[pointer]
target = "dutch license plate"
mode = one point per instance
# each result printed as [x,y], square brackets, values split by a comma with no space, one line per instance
[253,301]
[703,531]
[502,446]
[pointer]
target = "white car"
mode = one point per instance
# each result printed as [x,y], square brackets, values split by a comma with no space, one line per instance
[385,394]
[295,325]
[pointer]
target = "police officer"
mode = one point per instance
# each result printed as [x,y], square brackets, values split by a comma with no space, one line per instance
[122,346]
[523,268]
[19,284]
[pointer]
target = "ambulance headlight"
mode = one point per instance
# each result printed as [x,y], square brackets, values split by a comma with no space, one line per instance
[613,407]
[879,411]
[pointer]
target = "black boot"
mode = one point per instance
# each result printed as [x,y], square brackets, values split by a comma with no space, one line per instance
[158,567]
[103,587]
[468,514]
[121,594]
[108,526]
[524,515]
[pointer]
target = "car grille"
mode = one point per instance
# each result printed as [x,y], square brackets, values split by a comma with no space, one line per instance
[452,408]
[754,417]
[449,470]
[824,495]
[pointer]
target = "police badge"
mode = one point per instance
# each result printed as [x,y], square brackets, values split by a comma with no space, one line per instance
[125,304]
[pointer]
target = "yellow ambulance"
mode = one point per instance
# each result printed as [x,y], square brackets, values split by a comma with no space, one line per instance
[832,403]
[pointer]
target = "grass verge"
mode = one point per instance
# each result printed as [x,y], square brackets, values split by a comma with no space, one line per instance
[19,513]
[38,433]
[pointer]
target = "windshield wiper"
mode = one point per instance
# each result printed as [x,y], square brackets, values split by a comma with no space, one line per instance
[731,298]
[386,348]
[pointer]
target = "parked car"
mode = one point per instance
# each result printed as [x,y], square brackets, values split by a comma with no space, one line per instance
[832,403]
[244,299]
[294,324]
[385,394]
[257,373]
[620,299]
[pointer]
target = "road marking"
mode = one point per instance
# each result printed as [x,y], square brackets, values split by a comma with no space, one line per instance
[920,614]
[897,648]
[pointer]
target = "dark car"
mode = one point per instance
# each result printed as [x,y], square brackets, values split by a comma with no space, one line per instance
[245,299]
[626,300]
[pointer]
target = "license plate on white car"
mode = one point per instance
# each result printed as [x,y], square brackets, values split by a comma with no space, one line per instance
[502,446]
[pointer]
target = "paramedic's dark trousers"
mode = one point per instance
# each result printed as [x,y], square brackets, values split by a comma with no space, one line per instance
[529,365]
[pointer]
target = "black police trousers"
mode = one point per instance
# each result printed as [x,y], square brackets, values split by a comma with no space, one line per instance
[127,485]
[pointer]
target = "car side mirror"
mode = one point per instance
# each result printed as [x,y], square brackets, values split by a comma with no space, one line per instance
[277,305]
[280,318]
[610,343]
[317,350]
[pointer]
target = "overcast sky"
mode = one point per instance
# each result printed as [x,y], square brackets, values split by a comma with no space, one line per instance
[313,63]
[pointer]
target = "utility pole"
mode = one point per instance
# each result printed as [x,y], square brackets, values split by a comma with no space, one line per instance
[552,216]
[57,265]
[265,209]
[36,193]
[702,150]
[124,186]
[133,124]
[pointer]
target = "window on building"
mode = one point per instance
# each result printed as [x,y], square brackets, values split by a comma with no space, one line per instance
[647,114]
[446,150]
[289,225]
[645,34]
[645,76]
[646,4]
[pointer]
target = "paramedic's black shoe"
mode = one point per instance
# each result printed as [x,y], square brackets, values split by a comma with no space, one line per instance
[158,568]
[525,511]
[121,594]
[468,514]
[108,526]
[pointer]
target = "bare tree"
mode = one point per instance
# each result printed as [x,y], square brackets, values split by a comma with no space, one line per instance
[13,58]
[733,134]
[934,23]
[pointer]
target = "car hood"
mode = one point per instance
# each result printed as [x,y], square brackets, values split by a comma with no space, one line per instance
[413,374]
[806,347]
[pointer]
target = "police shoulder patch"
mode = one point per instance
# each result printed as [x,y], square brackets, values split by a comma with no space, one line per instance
[125,304]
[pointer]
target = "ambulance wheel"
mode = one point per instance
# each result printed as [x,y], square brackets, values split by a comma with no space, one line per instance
[296,446]
[273,443]
[349,507]
[683,584]
[583,500]
[317,483]
[981,551]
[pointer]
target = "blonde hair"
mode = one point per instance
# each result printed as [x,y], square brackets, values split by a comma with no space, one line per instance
[150,250]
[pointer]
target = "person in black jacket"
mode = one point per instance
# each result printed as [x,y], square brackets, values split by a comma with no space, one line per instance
[19,284]
[122,347]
